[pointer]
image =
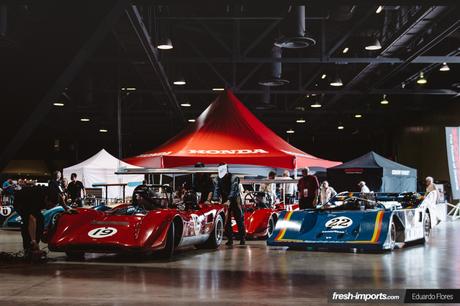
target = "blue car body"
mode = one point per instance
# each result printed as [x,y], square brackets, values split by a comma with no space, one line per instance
[391,221]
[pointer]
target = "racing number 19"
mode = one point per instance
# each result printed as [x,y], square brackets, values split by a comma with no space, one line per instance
[102,232]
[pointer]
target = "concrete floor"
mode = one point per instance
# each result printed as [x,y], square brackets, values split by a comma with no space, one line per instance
[252,274]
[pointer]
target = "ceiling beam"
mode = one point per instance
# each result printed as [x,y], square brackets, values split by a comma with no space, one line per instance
[153,58]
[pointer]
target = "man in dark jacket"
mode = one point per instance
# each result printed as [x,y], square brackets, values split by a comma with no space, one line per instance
[308,187]
[227,189]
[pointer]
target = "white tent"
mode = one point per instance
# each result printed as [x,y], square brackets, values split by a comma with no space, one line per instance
[100,169]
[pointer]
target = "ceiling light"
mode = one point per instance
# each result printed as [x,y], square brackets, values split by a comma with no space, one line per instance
[421,79]
[340,127]
[84,119]
[316,105]
[358,116]
[58,104]
[290,131]
[165,44]
[218,89]
[373,45]
[300,120]
[191,120]
[384,100]
[444,67]
[180,82]
[323,76]
[131,88]
[337,82]
[345,50]
[379,9]
[186,105]
[103,130]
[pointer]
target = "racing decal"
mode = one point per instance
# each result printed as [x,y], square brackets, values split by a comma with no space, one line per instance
[5,211]
[377,230]
[339,223]
[283,231]
[197,223]
[102,232]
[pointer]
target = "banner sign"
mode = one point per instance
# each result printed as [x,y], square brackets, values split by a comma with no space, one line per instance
[453,159]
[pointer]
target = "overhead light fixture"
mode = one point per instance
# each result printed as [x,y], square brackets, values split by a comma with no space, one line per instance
[379,9]
[191,120]
[180,81]
[290,131]
[103,130]
[323,76]
[316,105]
[345,50]
[186,105]
[444,67]
[358,116]
[421,79]
[296,36]
[373,45]
[165,44]
[384,100]
[218,89]
[301,120]
[336,82]
[84,119]
[340,127]
[60,104]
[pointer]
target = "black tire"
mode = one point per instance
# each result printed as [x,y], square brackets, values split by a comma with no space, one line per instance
[271,227]
[392,234]
[168,250]
[427,227]
[75,255]
[216,236]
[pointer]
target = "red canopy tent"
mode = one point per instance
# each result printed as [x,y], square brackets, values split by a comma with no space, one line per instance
[228,132]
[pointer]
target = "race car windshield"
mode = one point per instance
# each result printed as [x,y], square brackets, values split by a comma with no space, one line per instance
[351,201]
[151,197]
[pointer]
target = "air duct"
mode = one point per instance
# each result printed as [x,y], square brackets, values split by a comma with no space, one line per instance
[295,28]
[276,79]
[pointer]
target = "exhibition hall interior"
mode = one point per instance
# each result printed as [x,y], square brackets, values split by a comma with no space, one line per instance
[173,152]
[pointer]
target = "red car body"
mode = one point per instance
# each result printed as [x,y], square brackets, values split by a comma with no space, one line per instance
[260,221]
[114,231]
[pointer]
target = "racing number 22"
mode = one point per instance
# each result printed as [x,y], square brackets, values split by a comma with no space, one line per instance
[339,222]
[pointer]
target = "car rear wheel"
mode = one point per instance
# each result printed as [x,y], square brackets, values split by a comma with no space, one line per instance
[168,250]
[75,255]
[427,227]
[392,236]
[217,234]
[271,226]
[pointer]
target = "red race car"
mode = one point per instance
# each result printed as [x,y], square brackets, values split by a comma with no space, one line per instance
[152,222]
[260,214]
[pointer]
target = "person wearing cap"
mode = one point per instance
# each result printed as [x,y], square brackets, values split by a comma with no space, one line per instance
[326,192]
[203,184]
[226,189]
[307,187]
[364,188]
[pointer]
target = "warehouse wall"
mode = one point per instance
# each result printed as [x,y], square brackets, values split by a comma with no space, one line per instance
[424,148]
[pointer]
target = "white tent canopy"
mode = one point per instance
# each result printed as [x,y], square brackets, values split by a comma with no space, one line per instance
[100,169]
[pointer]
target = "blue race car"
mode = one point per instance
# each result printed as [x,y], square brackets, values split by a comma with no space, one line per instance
[358,222]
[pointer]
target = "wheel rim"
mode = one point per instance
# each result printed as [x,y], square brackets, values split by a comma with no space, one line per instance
[271,227]
[427,227]
[393,235]
[219,230]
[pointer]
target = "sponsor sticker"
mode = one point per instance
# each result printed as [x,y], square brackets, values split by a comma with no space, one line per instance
[102,232]
[5,211]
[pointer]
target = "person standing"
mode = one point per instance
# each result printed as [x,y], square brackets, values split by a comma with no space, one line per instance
[76,190]
[203,184]
[289,189]
[326,192]
[308,187]
[270,188]
[364,188]
[56,191]
[227,189]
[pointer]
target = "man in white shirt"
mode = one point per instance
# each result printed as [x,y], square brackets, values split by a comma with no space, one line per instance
[364,188]
[290,189]
[270,188]
[430,186]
